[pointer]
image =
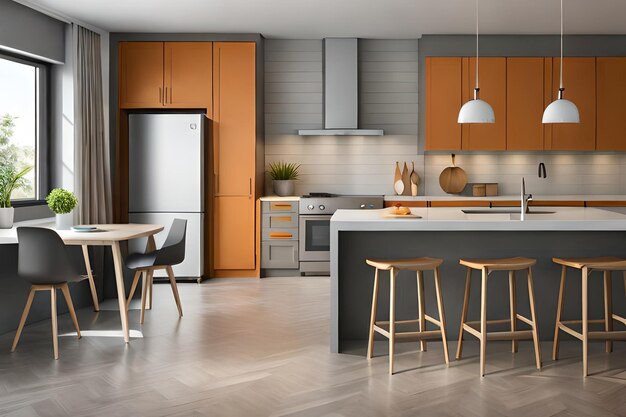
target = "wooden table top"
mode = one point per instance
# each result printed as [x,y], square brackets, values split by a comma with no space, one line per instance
[105,235]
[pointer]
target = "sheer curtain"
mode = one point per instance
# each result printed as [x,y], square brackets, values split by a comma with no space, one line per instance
[92,164]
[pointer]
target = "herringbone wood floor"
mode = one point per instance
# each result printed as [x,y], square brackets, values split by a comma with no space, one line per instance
[260,348]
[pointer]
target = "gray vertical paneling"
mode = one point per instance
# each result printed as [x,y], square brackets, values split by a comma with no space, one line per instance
[387,100]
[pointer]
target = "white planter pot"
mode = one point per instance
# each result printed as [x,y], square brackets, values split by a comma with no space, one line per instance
[64,221]
[6,217]
[284,188]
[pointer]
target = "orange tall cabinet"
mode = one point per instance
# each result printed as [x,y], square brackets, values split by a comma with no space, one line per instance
[234,154]
[610,90]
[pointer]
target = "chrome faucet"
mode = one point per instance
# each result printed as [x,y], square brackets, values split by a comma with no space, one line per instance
[524,200]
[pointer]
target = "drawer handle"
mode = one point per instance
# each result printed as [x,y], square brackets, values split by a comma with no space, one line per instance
[279,206]
[282,219]
[277,235]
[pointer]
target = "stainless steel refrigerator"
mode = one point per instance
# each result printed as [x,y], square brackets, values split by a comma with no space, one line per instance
[166,179]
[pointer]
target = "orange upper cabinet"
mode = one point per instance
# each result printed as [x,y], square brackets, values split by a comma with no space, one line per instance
[189,75]
[443,101]
[492,83]
[170,74]
[234,118]
[524,104]
[141,74]
[579,80]
[611,90]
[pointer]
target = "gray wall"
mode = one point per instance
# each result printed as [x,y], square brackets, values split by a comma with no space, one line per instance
[388,100]
[25,30]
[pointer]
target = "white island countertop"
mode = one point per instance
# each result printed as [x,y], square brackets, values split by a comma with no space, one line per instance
[453,219]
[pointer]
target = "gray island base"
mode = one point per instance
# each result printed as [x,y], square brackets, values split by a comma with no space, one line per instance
[449,234]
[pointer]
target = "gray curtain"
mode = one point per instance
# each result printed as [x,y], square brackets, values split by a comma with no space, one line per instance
[92,164]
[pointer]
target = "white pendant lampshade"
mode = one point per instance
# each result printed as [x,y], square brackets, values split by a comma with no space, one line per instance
[476,110]
[561,110]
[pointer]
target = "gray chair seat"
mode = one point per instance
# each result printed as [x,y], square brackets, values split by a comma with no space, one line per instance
[141,260]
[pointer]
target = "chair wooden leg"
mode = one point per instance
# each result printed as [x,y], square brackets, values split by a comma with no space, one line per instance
[608,308]
[370,340]
[144,291]
[533,317]
[585,319]
[559,312]
[483,321]
[468,283]
[392,317]
[149,283]
[65,289]
[20,328]
[92,284]
[170,274]
[133,287]
[442,316]
[513,305]
[421,307]
[53,315]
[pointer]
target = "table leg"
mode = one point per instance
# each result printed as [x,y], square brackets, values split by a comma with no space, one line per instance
[150,247]
[121,292]
[92,285]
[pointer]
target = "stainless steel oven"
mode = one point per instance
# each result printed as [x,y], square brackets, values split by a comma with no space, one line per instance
[315,212]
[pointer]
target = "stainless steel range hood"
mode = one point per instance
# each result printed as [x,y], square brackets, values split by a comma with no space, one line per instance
[341,91]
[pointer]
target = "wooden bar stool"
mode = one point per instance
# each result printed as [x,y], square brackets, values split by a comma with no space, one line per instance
[487,266]
[586,266]
[388,328]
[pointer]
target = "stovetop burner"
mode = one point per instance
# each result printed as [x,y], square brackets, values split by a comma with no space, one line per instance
[317,195]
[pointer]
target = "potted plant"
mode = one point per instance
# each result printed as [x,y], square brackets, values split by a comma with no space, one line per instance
[62,202]
[10,179]
[283,176]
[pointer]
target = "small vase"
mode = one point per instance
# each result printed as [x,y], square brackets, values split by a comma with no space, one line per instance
[284,188]
[6,217]
[406,180]
[64,221]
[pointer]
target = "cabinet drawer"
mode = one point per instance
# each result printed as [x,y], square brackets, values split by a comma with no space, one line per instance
[279,234]
[279,220]
[280,206]
[278,254]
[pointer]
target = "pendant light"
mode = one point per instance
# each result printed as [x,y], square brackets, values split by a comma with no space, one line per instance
[476,110]
[561,110]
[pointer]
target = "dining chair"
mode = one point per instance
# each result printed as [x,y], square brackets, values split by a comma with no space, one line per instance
[171,253]
[44,262]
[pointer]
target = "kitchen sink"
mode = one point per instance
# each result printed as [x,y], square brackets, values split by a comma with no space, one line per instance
[504,211]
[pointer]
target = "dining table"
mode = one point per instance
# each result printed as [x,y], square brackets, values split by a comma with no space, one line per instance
[111,235]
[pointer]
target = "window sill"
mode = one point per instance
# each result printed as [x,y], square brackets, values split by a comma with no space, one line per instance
[28,203]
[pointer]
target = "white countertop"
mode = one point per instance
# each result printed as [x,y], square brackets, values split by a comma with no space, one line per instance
[278,198]
[614,197]
[453,219]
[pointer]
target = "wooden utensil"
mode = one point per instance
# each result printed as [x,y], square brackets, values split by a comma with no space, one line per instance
[453,179]
[415,181]
[406,180]
[398,185]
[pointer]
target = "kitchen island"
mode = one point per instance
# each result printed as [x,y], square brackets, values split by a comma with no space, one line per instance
[450,233]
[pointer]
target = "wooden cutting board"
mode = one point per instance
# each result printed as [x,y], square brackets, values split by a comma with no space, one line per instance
[453,179]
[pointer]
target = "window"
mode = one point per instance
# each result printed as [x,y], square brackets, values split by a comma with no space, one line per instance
[22,102]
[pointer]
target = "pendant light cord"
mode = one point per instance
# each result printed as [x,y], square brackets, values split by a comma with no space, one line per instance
[477,45]
[561,70]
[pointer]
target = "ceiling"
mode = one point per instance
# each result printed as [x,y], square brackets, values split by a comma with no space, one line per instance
[359,18]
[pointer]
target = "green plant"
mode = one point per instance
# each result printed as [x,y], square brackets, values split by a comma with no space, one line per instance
[61,201]
[10,179]
[284,171]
